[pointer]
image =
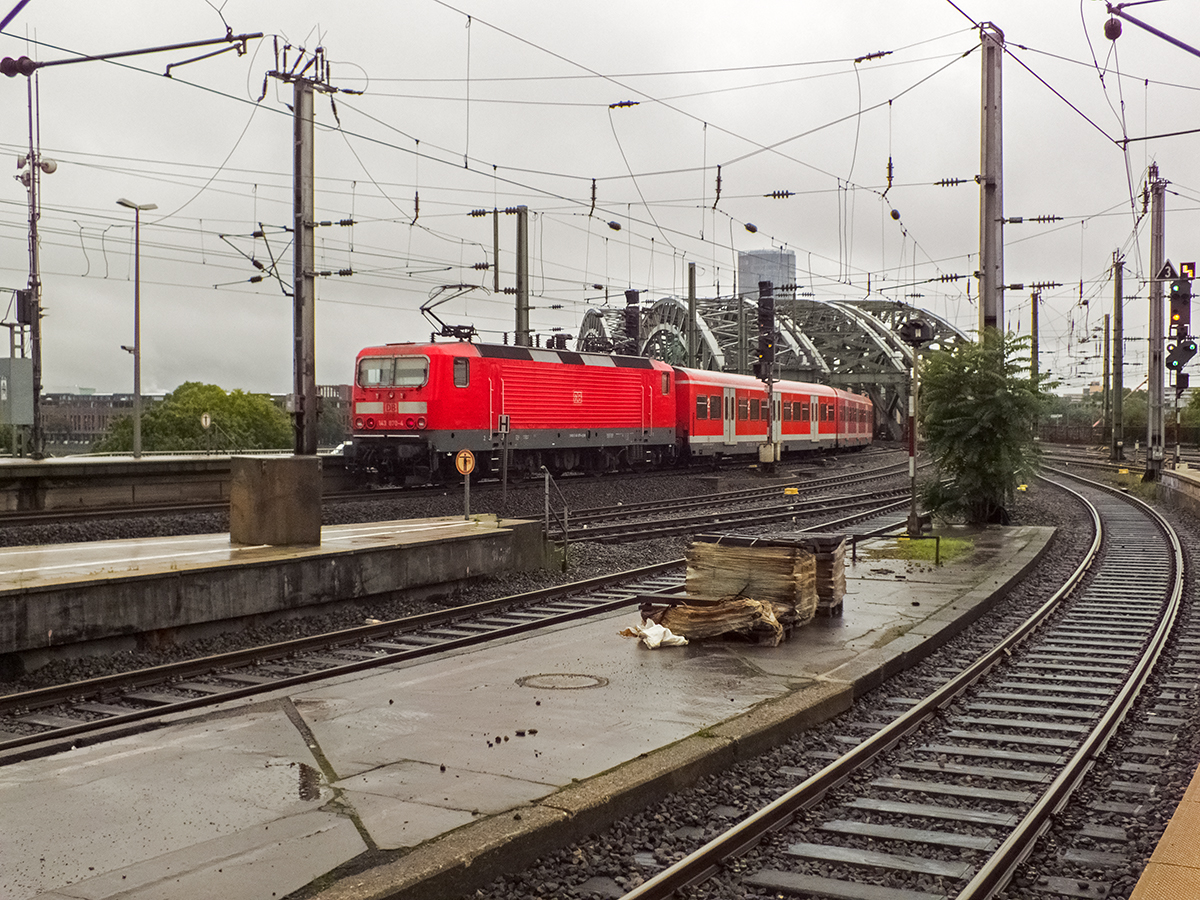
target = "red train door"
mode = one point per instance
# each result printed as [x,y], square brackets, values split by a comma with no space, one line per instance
[730,417]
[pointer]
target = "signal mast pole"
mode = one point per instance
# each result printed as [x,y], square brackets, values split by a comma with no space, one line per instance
[1116,450]
[991,186]
[10,68]
[522,334]
[1156,376]
[304,275]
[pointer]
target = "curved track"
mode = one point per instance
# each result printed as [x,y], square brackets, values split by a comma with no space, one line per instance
[988,757]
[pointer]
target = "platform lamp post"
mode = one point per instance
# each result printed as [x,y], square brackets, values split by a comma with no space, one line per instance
[916,333]
[136,349]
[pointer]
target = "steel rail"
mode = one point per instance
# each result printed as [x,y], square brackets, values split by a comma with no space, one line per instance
[25,746]
[706,860]
[732,496]
[748,516]
[165,674]
[995,874]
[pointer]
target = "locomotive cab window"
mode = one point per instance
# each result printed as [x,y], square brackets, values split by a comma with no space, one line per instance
[701,407]
[462,371]
[666,383]
[375,372]
[411,371]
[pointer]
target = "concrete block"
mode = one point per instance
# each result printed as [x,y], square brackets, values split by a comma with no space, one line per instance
[275,500]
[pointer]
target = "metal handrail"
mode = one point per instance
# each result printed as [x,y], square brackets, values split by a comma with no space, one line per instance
[562,523]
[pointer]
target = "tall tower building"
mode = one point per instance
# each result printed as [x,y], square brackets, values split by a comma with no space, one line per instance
[775,266]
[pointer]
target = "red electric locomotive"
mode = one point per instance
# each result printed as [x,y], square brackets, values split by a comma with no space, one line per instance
[417,405]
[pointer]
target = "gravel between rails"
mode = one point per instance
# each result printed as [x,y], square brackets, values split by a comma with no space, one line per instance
[609,864]
[525,500]
[1142,831]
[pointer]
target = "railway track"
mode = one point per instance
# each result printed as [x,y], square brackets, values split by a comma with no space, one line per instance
[874,503]
[42,721]
[75,514]
[38,722]
[946,799]
[732,509]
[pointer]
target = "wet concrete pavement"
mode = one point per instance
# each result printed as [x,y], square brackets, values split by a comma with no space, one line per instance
[471,759]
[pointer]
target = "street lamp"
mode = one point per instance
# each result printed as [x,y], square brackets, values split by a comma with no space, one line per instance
[137,320]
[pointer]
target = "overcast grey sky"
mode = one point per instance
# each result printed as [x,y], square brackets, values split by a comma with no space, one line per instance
[482,104]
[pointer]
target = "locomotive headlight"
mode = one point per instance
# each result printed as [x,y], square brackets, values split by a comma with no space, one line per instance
[358,423]
[421,422]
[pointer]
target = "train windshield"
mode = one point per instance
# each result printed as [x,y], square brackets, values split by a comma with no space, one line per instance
[391,371]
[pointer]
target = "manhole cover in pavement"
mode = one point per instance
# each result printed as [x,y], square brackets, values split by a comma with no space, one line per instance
[562,681]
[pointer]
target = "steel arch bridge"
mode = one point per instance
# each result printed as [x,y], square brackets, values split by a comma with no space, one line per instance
[852,344]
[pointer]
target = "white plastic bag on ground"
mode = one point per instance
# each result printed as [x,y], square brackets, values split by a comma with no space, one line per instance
[654,636]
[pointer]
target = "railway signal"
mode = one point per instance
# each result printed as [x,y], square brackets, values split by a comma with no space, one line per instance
[1181,307]
[1179,353]
[766,333]
[916,333]
[633,320]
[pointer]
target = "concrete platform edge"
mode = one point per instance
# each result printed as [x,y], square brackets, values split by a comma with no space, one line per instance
[872,668]
[209,598]
[470,857]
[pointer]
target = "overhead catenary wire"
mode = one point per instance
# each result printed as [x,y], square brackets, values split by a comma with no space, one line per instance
[638,235]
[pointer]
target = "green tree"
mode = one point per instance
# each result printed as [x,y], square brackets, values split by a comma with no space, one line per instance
[239,421]
[978,408]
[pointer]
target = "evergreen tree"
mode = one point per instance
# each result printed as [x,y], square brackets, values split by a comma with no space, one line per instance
[978,406]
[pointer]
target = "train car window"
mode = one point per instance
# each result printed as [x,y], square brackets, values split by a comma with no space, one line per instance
[805,416]
[753,409]
[666,388]
[701,407]
[462,372]
[743,409]
[375,371]
[714,407]
[787,411]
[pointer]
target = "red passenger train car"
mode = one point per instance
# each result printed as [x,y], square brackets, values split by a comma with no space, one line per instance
[720,414]
[416,405]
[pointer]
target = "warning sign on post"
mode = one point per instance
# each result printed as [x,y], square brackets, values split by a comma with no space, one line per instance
[464,461]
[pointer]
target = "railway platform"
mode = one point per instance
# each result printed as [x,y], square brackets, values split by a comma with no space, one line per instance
[82,482]
[426,779]
[1173,871]
[113,595]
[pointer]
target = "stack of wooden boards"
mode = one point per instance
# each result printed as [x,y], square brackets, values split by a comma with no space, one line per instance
[756,587]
